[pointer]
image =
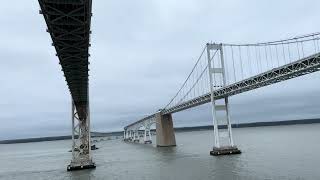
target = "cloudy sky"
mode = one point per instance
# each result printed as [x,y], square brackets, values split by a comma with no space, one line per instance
[141,52]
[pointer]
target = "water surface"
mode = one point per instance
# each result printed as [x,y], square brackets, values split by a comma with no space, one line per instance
[279,152]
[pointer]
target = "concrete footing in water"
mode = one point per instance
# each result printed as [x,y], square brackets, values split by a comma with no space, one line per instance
[74,168]
[127,139]
[136,140]
[148,142]
[226,150]
[165,133]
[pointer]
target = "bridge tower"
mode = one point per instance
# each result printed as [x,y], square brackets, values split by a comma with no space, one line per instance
[81,146]
[223,139]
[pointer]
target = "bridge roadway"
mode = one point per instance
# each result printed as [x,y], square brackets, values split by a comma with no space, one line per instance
[297,68]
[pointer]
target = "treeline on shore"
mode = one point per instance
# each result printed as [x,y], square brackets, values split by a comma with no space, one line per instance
[178,129]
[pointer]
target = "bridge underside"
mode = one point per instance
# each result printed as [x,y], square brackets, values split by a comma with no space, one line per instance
[68,23]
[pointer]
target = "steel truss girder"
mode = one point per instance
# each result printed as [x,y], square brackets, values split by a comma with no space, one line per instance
[68,23]
[147,121]
[131,132]
[298,68]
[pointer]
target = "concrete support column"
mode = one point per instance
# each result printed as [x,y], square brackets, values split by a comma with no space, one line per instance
[136,137]
[165,132]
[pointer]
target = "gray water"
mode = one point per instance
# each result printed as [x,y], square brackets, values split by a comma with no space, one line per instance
[279,152]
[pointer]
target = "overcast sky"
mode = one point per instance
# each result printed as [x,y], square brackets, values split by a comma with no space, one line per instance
[141,52]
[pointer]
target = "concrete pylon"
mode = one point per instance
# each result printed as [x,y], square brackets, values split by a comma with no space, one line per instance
[165,131]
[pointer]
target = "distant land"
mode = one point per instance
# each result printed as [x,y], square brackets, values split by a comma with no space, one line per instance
[178,129]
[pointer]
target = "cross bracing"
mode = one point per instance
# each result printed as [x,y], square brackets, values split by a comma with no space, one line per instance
[68,23]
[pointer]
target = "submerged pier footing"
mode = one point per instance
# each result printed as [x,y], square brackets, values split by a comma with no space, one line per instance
[148,142]
[226,150]
[74,168]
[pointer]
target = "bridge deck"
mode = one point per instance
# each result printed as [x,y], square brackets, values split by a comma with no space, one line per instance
[298,68]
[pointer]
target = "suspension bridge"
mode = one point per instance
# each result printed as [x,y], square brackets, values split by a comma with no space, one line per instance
[223,70]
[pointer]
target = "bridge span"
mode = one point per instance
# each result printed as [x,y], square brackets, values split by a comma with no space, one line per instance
[68,23]
[224,70]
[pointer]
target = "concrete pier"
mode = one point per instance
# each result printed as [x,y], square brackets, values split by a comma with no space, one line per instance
[225,150]
[165,132]
[148,142]
[80,167]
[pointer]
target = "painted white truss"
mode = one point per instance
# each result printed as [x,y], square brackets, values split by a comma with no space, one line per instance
[131,133]
[81,148]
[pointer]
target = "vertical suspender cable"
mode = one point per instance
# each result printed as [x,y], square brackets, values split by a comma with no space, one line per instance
[249,59]
[314,44]
[197,82]
[265,51]
[284,54]
[298,48]
[289,55]
[201,82]
[241,68]
[271,59]
[260,61]
[234,69]
[317,40]
[277,55]
[225,65]
[214,74]
[256,58]
[302,49]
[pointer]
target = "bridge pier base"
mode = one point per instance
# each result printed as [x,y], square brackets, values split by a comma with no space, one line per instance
[126,135]
[165,132]
[147,136]
[136,137]
[130,136]
[226,150]
[81,148]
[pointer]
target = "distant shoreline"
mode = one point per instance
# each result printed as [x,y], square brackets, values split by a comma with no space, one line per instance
[178,129]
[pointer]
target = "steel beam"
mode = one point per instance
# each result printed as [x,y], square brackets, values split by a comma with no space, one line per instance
[81,147]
